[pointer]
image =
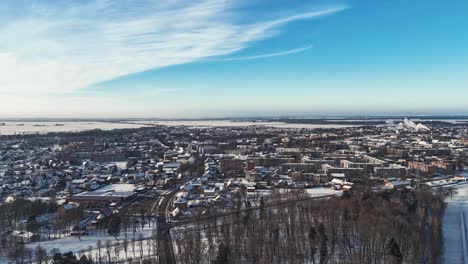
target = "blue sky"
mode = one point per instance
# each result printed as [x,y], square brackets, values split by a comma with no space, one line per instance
[215,58]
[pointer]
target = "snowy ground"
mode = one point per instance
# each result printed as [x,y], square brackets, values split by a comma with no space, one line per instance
[320,191]
[120,187]
[451,225]
[11,128]
[75,245]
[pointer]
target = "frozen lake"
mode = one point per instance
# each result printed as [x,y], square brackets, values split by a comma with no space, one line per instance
[228,123]
[452,226]
[11,128]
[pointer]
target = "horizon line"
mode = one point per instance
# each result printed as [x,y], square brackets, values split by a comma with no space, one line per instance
[372,116]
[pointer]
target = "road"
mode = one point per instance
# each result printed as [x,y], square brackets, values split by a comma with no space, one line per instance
[454,224]
[165,248]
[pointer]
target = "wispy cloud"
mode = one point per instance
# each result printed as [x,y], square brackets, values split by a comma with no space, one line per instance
[50,48]
[265,56]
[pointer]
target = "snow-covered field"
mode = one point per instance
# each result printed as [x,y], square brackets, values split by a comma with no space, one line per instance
[76,245]
[451,225]
[11,128]
[121,187]
[228,123]
[318,192]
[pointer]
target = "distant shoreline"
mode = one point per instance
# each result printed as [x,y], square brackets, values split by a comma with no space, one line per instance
[253,118]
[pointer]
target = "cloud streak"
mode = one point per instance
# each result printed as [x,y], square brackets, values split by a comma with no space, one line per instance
[62,48]
[268,55]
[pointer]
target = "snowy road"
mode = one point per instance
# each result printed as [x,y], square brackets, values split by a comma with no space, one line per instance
[452,227]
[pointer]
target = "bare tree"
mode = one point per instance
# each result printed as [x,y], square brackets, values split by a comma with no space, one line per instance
[148,247]
[28,254]
[133,246]
[41,254]
[154,242]
[117,248]
[99,247]
[108,249]
[125,247]
[140,245]
[90,252]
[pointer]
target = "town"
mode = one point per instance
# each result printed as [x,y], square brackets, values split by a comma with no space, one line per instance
[165,193]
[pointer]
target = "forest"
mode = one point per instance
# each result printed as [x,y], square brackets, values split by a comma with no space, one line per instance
[370,227]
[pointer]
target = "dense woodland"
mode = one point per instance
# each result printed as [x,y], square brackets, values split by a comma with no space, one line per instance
[389,227]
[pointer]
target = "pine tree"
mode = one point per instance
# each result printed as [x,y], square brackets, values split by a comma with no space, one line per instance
[323,243]
[85,260]
[66,258]
[114,226]
[313,242]
[394,252]
[262,209]
[223,254]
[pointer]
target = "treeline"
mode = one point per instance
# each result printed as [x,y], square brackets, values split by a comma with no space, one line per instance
[388,227]
[18,210]
[16,214]
[20,216]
